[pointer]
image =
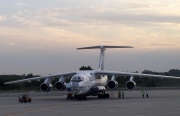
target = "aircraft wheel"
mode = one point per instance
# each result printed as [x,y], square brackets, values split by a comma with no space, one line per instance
[100,96]
[84,98]
[67,98]
[79,98]
[71,98]
[106,95]
[75,96]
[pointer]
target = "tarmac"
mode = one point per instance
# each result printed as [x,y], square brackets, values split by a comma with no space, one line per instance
[159,103]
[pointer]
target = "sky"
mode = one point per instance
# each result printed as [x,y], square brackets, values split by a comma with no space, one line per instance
[41,36]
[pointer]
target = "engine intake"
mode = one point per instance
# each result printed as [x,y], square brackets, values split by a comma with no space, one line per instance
[112,84]
[60,86]
[45,87]
[130,85]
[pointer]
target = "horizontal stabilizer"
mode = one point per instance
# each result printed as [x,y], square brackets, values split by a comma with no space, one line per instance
[102,46]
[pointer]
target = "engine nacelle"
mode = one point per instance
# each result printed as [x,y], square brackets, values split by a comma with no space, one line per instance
[130,85]
[60,86]
[46,87]
[112,84]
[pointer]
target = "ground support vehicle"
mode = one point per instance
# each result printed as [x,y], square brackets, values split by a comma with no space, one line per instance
[23,98]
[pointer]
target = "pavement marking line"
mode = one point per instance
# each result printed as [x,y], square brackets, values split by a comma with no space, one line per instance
[34,110]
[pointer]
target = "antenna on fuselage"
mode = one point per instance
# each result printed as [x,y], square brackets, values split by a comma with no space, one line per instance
[102,52]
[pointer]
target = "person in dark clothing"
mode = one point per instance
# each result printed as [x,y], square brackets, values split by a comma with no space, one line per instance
[122,94]
[119,94]
[143,93]
[147,94]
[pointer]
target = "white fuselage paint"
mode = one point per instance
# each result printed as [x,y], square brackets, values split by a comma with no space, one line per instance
[85,82]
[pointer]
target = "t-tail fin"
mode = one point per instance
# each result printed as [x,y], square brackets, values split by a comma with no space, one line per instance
[102,52]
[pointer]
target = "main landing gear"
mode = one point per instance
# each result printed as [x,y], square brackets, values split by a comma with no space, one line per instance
[103,95]
[78,97]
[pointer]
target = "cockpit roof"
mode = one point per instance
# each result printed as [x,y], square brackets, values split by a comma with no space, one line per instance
[77,77]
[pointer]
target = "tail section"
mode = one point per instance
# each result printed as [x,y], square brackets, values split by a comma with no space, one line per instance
[102,52]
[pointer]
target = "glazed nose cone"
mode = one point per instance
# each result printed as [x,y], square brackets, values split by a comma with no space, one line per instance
[75,85]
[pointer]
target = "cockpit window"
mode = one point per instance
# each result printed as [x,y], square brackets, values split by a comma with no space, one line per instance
[77,79]
[98,77]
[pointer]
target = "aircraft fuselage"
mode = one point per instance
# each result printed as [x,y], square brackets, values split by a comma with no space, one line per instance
[86,83]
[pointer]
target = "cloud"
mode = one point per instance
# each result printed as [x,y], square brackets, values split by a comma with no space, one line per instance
[27,21]
[127,23]
[20,4]
[12,44]
[126,13]
[103,16]
[3,18]
[131,19]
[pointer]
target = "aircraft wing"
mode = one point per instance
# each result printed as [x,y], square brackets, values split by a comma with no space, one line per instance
[43,77]
[132,74]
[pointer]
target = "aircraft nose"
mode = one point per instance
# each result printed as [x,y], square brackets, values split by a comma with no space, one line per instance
[75,85]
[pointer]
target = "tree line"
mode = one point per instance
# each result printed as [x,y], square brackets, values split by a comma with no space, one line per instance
[143,82]
[154,82]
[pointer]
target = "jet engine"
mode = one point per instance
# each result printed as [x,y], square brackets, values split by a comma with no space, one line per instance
[46,87]
[60,85]
[130,85]
[112,84]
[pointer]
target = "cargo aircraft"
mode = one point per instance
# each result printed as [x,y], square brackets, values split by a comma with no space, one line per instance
[89,82]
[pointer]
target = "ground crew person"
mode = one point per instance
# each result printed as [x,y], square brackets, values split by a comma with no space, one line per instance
[147,94]
[122,94]
[119,94]
[143,93]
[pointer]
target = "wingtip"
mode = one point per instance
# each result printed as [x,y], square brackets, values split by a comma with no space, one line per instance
[6,83]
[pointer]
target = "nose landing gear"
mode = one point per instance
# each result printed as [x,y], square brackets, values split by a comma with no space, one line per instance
[69,96]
